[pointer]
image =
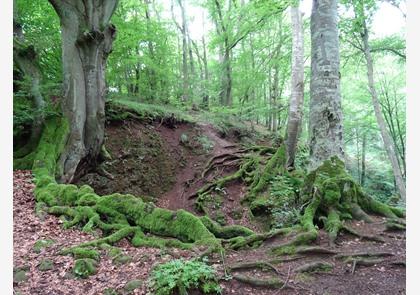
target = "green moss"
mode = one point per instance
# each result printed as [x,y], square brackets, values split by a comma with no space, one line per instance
[333,224]
[110,291]
[19,274]
[132,285]
[286,250]
[79,253]
[261,206]
[121,259]
[85,267]
[274,166]
[331,192]
[41,244]
[46,264]
[225,232]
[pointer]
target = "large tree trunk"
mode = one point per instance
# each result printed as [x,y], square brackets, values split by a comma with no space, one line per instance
[294,120]
[388,144]
[87,38]
[326,131]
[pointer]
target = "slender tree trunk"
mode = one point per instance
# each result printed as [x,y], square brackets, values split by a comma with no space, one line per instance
[226,79]
[87,38]
[363,173]
[206,74]
[183,29]
[297,86]
[388,145]
[150,71]
[326,118]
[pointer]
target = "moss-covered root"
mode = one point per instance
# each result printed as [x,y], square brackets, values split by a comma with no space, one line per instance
[333,196]
[274,166]
[254,240]
[263,265]
[245,168]
[268,283]
[225,232]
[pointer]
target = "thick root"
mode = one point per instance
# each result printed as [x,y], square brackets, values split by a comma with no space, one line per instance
[254,240]
[362,236]
[263,265]
[268,283]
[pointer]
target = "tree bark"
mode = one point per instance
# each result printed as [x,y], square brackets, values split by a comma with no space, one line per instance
[363,174]
[87,38]
[326,128]
[388,144]
[294,120]
[185,77]
[226,80]
[206,74]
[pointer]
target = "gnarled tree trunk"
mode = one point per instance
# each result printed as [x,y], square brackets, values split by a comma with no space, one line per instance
[296,99]
[87,38]
[326,128]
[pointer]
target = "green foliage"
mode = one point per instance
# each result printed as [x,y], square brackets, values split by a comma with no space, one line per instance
[182,275]
[85,267]
[284,191]
[41,244]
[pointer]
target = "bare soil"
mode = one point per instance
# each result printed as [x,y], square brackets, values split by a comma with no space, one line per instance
[165,164]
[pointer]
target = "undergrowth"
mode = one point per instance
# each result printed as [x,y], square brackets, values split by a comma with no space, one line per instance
[183,275]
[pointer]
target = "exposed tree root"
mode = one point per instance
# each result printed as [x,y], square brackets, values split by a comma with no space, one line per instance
[263,265]
[394,225]
[314,250]
[399,263]
[362,236]
[314,266]
[333,197]
[117,216]
[362,254]
[252,168]
[254,239]
[268,283]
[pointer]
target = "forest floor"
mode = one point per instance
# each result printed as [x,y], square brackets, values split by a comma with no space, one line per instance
[166,163]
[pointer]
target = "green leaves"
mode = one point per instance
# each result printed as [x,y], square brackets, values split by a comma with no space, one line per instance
[181,275]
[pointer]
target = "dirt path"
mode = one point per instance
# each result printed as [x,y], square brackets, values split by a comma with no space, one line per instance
[187,179]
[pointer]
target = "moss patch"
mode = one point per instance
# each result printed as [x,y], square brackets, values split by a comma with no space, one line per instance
[41,244]
[46,264]
[131,286]
[85,267]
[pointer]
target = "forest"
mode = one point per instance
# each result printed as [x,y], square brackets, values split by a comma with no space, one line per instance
[209,147]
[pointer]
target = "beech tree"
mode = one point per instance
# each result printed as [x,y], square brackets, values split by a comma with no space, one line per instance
[326,118]
[361,26]
[87,37]
[297,86]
